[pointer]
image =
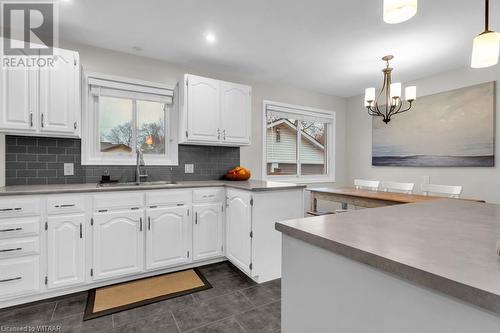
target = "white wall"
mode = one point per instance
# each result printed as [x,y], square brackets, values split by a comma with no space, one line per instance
[128,65]
[481,183]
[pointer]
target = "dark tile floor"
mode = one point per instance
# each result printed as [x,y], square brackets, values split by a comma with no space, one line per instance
[235,304]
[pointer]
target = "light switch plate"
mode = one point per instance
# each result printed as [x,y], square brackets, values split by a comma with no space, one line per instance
[426,180]
[69,169]
[188,168]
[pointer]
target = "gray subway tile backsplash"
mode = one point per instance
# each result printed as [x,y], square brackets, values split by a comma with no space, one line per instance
[36,160]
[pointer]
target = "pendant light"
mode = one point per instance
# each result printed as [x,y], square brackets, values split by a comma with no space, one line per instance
[486,46]
[397,11]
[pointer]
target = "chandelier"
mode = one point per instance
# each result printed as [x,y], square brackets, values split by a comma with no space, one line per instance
[388,102]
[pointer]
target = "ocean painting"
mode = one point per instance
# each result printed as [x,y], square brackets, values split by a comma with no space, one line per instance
[450,129]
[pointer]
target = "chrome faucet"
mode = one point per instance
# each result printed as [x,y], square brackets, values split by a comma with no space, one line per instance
[139,163]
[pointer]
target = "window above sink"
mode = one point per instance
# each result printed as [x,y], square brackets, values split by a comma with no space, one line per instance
[123,115]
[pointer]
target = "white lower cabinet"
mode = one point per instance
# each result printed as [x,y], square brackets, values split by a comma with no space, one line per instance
[66,255]
[168,237]
[118,243]
[80,241]
[239,228]
[19,276]
[207,231]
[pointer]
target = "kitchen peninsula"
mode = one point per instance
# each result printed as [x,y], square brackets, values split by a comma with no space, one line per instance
[423,267]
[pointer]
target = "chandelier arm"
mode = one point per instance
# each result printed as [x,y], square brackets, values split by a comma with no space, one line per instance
[373,112]
[404,110]
[396,108]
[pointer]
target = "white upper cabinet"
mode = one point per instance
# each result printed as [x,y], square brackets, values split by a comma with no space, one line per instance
[214,112]
[207,232]
[203,104]
[168,237]
[239,228]
[45,101]
[59,95]
[235,113]
[18,100]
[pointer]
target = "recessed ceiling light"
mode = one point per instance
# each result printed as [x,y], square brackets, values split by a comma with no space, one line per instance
[210,37]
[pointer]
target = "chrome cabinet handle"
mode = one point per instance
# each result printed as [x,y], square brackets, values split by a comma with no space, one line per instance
[11,250]
[81,231]
[196,218]
[13,279]
[224,134]
[65,205]
[218,133]
[42,119]
[12,229]
[10,209]
[149,223]
[31,119]
[140,221]
[74,125]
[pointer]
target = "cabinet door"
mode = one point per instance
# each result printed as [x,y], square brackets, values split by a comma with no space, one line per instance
[117,243]
[59,95]
[168,240]
[66,256]
[238,228]
[207,232]
[203,108]
[18,100]
[235,113]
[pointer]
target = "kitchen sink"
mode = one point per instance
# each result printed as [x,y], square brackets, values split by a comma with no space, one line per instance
[132,184]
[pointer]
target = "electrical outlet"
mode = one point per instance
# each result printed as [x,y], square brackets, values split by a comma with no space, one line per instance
[69,169]
[188,168]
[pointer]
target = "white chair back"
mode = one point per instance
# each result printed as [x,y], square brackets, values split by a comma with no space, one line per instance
[366,184]
[451,191]
[397,187]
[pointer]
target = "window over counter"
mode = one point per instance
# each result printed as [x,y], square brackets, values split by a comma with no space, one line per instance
[123,115]
[298,143]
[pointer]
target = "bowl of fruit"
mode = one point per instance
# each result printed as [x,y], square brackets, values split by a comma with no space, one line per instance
[238,173]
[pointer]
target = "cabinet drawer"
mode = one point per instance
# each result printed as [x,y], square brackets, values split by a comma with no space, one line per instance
[19,206]
[115,201]
[19,276]
[16,247]
[168,198]
[64,205]
[208,195]
[20,227]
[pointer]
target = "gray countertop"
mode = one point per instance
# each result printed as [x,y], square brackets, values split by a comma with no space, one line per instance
[446,245]
[251,185]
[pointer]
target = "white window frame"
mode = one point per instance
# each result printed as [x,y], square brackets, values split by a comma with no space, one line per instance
[330,153]
[91,154]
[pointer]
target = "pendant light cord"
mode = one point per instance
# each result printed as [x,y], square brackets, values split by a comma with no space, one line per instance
[486,15]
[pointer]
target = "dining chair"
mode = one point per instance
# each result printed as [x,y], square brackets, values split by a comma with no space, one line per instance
[366,184]
[406,188]
[451,191]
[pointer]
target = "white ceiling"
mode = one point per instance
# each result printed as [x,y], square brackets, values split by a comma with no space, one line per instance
[330,46]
